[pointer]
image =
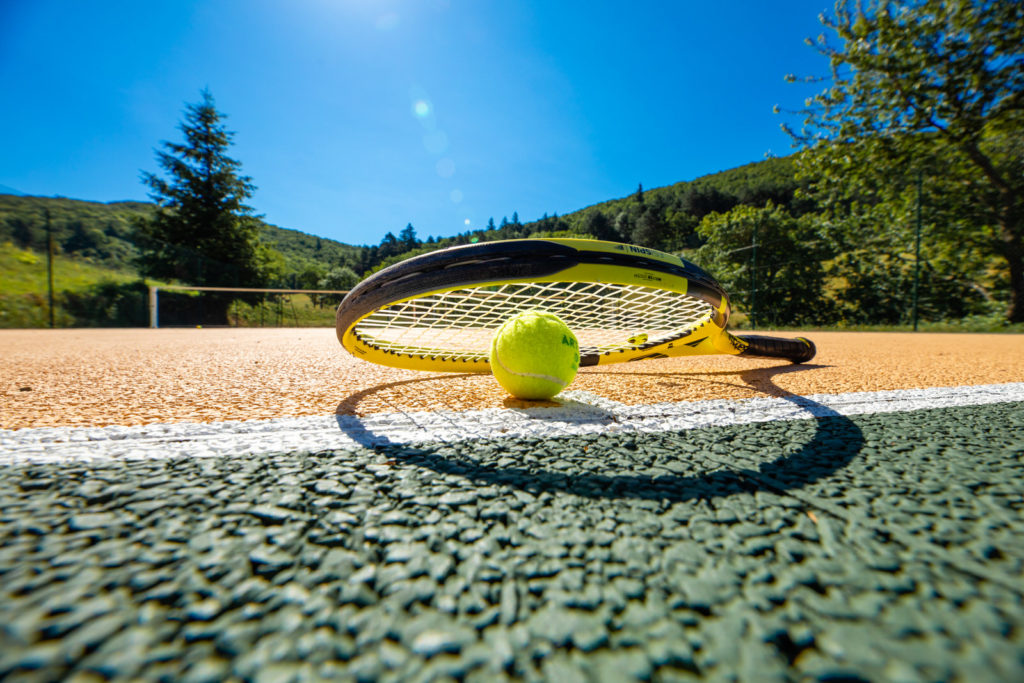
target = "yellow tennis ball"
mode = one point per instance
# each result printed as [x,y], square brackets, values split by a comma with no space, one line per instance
[534,355]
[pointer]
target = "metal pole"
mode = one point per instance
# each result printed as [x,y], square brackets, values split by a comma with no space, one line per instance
[917,248]
[753,280]
[154,317]
[49,263]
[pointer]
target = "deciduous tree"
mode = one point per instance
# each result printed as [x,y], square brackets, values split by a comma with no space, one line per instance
[769,261]
[933,87]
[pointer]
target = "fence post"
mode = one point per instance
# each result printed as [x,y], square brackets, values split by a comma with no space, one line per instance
[753,279]
[917,248]
[49,263]
[153,314]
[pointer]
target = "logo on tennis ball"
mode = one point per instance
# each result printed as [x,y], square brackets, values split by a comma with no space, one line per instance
[534,355]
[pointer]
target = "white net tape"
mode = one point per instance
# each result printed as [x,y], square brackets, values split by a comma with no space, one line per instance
[460,323]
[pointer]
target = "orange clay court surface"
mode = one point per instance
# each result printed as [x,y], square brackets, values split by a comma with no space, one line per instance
[59,378]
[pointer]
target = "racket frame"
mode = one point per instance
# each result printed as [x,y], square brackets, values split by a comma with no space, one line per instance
[544,260]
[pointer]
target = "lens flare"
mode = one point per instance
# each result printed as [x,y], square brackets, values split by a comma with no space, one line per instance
[421,108]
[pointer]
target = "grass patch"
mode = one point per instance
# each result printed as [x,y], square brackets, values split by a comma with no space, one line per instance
[24,272]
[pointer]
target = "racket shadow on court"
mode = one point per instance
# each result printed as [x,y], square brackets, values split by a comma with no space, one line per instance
[668,466]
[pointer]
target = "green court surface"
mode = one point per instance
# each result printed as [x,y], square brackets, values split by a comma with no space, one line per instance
[872,547]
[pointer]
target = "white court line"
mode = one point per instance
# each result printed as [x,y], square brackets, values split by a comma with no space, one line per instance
[580,413]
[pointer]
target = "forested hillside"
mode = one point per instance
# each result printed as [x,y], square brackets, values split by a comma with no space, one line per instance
[102,233]
[755,227]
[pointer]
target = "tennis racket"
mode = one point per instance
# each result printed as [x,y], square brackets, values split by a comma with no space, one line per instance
[438,311]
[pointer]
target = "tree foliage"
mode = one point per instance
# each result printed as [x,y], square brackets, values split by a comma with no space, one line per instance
[770,262]
[934,87]
[100,233]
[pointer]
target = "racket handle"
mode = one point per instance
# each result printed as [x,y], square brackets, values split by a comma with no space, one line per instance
[799,350]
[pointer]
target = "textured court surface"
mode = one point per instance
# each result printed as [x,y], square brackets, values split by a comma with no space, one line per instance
[116,377]
[755,535]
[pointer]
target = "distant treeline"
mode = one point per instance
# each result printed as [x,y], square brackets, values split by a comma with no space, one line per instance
[664,218]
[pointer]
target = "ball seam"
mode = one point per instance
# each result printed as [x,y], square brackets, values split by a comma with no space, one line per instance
[548,378]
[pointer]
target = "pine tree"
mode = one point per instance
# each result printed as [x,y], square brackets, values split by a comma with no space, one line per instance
[389,246]
[598,226]
[202,232]
[407,238]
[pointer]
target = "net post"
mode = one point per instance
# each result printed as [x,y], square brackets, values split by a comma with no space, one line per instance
[153,313]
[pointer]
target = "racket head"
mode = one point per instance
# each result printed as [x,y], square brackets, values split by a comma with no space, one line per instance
[438,311]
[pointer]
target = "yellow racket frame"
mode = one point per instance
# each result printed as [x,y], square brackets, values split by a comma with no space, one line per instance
[707,337]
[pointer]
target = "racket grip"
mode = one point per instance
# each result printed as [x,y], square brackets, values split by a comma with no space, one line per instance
[799,350]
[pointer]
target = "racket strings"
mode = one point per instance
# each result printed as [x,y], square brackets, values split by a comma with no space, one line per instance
[459,324]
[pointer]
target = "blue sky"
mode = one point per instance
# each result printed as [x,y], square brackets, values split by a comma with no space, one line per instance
[356,117]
